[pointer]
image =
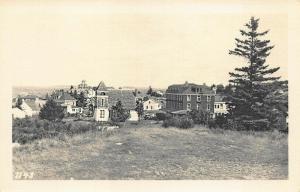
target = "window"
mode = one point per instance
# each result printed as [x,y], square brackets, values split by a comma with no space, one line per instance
[221,105]
[199,98]
[208,98]
[151,107]
[198,106]
[146,107]
[188,106]
[188,98]
[102,102]
[102,113]
[208,106]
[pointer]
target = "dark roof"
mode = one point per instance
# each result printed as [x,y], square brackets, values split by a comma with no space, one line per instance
[189,88]
[62,96]
[33,105]
[101,87]
[125,96]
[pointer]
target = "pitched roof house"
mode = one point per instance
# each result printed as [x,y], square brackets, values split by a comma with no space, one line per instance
[125,96]
[106,98]
[18,113]
[63,98]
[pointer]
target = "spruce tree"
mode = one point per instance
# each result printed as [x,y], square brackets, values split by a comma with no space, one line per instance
[51,111]
[251,81]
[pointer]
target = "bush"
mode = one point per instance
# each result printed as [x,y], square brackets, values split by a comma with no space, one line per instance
[171,122]
[119,114]
[199,117]
[221,121]
[186,123]
[28,129]
[183,123]
[161,116]
[51,111]
[254,125]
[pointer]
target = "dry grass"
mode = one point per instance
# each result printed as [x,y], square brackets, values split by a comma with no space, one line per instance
[152,152]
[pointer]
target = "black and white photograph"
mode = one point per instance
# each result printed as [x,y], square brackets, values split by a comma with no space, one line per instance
[147,90]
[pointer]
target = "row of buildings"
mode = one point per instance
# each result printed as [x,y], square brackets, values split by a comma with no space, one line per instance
[178,100]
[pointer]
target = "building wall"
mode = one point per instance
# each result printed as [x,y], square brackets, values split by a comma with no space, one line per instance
[220,108]
[151,105]
[177,102]
[101,114]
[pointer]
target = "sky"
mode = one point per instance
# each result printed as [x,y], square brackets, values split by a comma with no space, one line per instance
[132,43]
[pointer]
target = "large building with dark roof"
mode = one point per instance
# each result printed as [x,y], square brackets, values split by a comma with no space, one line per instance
[181,98]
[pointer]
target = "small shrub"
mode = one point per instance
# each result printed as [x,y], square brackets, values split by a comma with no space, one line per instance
[186,123]
[161,116]
[171,122]
[255,125]
[183,123]
[212,124]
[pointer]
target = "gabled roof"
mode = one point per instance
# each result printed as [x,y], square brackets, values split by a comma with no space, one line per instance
[33,105]
[189,88]
[151,100]
[66,96]
[125,96]
[101,87]
[62,96]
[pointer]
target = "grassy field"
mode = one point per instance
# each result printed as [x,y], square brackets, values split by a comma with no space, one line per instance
[153,152]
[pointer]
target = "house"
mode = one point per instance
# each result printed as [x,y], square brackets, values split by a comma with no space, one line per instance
[220,107]
[63,98]
[18,113]
[74,110]
[189,96]
[127,99]
[106,98]
[101,112]
[27,109]
[151,105]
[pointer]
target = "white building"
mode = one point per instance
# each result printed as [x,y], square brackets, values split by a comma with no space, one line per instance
[74,110]
[101,111]
[133,116]
[220,107]
[18,113]
[151,105]
[27,109]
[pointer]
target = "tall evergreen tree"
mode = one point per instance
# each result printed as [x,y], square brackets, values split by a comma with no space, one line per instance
[251,81]
[139,109]
[119,114]
[51,111]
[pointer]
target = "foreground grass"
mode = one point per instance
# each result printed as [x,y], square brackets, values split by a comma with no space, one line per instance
[153,152]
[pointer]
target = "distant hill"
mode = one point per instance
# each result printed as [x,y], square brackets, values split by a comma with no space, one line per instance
[39,91]
[42,91]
